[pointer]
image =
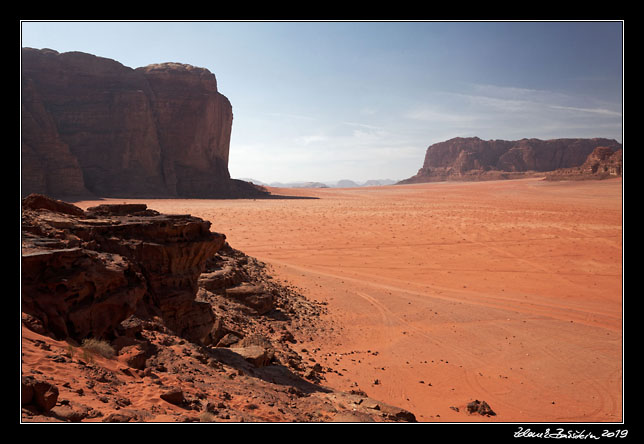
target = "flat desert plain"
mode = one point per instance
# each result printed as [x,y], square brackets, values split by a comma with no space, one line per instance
[438,294]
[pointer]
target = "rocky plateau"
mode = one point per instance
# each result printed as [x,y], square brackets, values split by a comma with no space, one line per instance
[471,158]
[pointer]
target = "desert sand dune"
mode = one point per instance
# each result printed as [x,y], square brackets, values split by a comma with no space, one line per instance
[443,293]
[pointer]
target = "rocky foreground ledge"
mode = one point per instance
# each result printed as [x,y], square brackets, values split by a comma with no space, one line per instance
[190,329]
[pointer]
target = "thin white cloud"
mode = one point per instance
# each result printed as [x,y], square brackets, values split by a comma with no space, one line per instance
[504,112]
[311,139]
[601,111]
[362,125]
[514,98]
[436,115]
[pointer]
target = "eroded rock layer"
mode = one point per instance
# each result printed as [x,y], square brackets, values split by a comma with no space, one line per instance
[84,272]
[602,163]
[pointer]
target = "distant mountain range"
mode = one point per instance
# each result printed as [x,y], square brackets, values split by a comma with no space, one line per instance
[344,183]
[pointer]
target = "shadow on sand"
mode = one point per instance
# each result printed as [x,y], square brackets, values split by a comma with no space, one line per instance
[272,372]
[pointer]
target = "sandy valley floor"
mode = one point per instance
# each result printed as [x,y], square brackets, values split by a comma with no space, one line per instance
[507,291]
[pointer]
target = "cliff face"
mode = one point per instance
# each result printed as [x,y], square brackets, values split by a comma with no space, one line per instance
[194,124]
[602,163]
[475,159]
[84,272]
[93,126]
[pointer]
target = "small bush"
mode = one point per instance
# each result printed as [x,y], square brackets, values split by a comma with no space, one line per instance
[207,417]
[98,347]
[70,350]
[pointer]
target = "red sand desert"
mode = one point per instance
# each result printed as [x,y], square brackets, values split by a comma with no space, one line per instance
[509,292]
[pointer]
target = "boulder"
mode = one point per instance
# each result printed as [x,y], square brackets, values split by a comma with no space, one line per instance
[352,416]
[226,277]
[134,356]
[480,407]
[257,355]
[253,296]
[42,202]
[173,395]
[42,394]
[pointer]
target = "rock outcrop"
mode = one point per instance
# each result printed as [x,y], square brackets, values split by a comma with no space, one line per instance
[602,163]
[197,331]
[84,272]
[92,126]
[476,159]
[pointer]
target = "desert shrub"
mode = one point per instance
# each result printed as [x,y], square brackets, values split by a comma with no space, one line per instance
[207,417]
[70,350]
[98,347]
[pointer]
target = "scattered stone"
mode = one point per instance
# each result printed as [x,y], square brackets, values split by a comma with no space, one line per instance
[228,340]
[173,396]
[287,336]
[352,416]
[254,296]
[134,356]
[119,417]
[70,414]
[257,355]
[480,407]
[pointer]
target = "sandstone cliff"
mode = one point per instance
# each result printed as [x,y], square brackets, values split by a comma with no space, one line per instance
[92,126]
[476,159]
[602,163]
[84,272]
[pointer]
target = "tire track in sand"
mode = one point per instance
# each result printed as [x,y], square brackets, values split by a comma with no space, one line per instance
[477,386]
[472,297]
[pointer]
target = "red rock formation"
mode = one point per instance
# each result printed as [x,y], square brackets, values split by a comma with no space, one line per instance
[47,162]
[83,273]
[93,125]
[602,163]
[194,124]
[475,159]
[128,275]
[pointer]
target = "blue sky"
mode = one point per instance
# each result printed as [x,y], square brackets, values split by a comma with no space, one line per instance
[324,101]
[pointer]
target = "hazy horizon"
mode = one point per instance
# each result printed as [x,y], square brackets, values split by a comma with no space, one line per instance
[327,101]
